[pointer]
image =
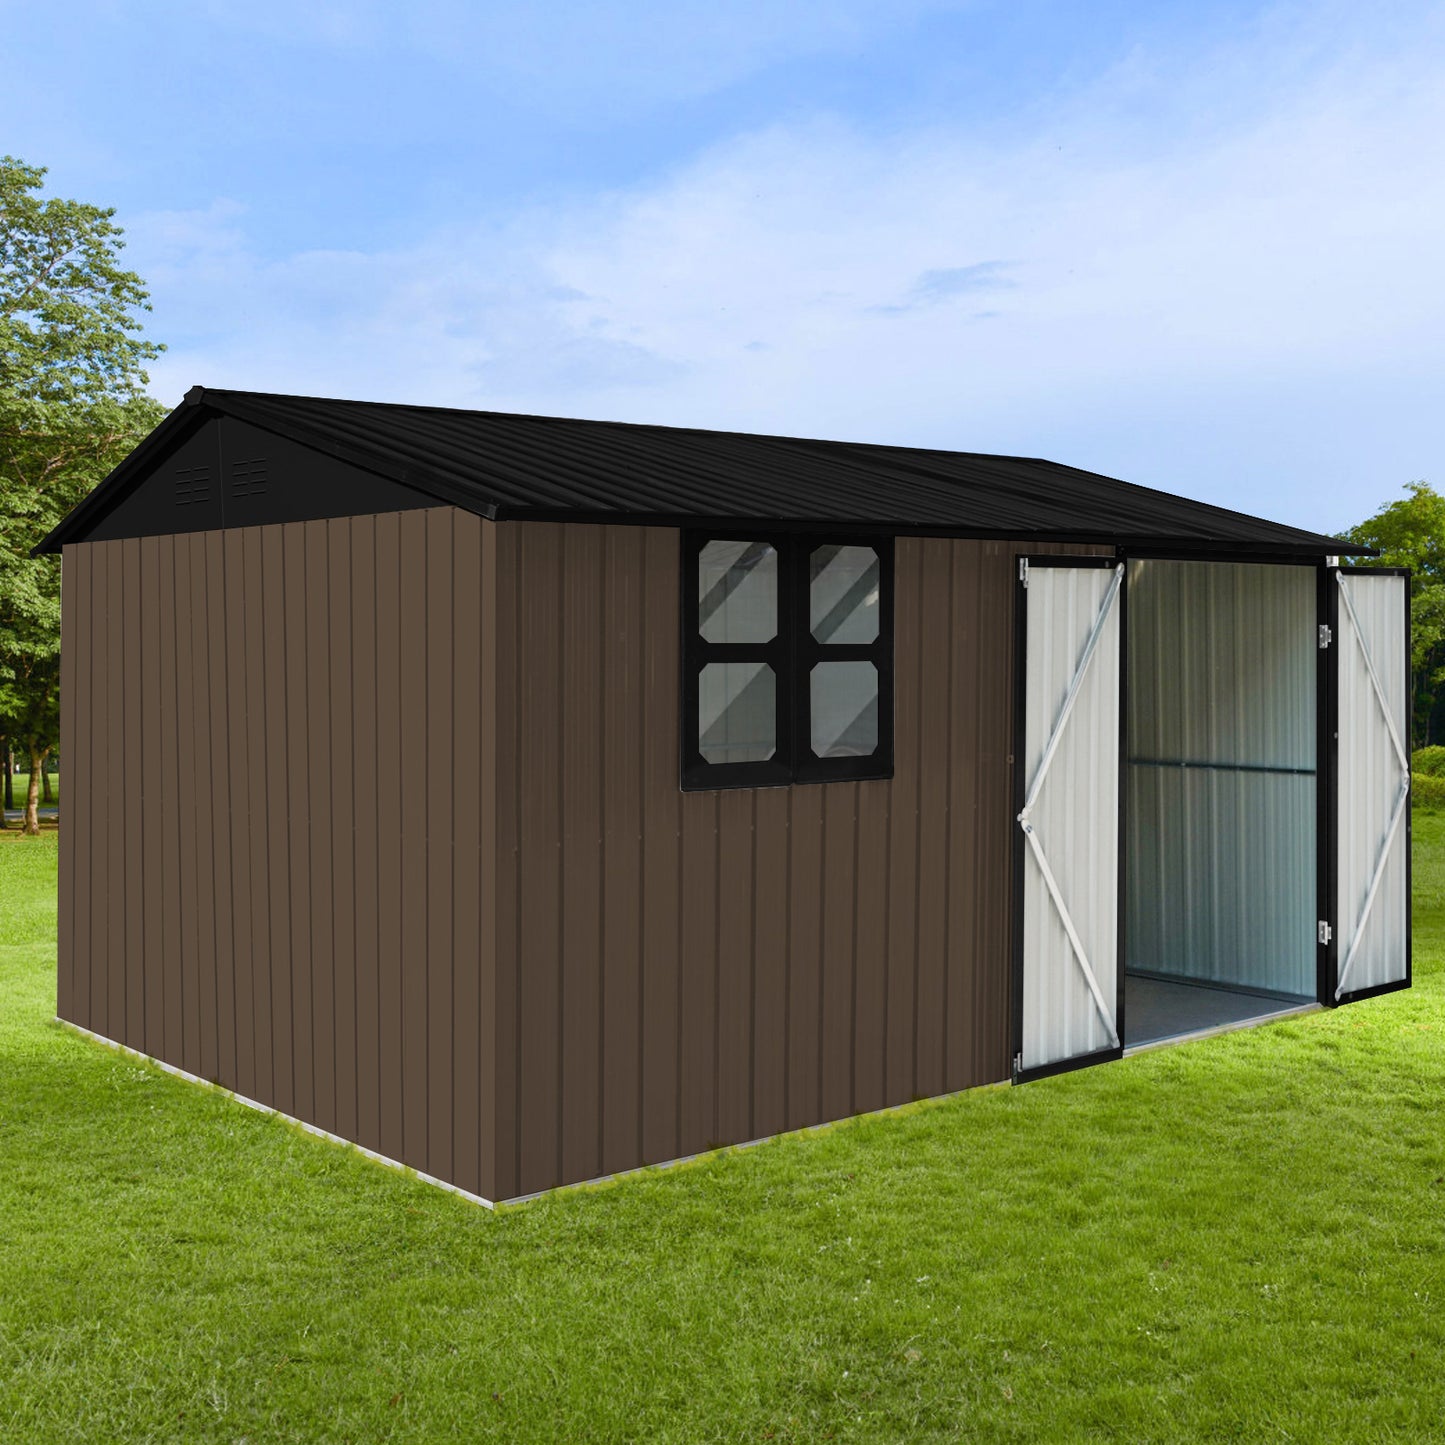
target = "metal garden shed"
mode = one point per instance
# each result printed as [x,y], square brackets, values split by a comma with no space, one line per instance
[527,800]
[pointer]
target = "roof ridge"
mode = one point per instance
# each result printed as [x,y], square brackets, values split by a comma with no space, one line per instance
[513,465]
[204,393]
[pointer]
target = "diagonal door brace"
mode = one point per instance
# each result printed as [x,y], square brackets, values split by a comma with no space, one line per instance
[1380,697]
[1402,798]
[1401,801]
[1081,957]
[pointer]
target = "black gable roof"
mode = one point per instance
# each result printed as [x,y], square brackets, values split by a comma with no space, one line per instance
[506,466]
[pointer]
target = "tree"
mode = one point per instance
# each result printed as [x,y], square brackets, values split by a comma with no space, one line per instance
[1411,533]
[72,404]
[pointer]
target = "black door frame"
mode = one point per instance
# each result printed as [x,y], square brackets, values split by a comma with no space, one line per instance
[1326,778]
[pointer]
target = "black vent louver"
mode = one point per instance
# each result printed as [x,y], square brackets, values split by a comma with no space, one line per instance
[249,478]
[193,484]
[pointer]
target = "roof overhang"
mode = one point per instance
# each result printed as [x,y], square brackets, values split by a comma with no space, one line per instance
[469,487]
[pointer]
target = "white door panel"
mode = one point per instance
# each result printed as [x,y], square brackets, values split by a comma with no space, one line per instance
[1069,820]
[1372,782]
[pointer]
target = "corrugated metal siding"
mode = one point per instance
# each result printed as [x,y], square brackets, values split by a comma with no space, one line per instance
[683,970]
[1075,815]
[1370,779]
[1222,878]
[1224,657]
[237,896]
[677,970]
[69,750]
[1222,787]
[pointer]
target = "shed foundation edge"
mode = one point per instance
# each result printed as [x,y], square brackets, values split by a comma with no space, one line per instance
[260,1108]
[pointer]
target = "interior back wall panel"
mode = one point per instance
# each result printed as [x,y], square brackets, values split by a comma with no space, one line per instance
[1222,741]
[1222,865]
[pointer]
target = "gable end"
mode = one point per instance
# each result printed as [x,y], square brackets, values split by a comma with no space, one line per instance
[227,473]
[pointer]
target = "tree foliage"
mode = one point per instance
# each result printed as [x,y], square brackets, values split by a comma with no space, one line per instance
[72,404]
[1410,533]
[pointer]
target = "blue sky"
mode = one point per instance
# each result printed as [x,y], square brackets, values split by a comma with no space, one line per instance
[1200,246]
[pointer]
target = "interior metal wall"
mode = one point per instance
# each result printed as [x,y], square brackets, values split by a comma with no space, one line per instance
[1075,816]
[1372,781]
[1221,880]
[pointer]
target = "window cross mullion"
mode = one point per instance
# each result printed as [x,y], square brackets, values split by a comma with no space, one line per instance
[754,707]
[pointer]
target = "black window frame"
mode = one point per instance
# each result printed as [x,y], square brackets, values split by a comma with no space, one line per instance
[792,653]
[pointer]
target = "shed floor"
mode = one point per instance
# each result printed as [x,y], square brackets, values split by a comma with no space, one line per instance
[1156,1009]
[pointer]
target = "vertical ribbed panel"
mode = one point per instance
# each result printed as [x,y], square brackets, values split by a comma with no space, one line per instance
[232,871]
[1222,790]
[768,958]
[638,972]
[1075,815]
[65,990]
[1223,658]
[1370,780]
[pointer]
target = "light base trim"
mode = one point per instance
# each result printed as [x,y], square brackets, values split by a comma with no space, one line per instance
[260,1108]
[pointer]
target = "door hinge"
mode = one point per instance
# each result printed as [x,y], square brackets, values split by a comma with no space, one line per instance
[1024,570]
[1018,1065]
[1326,932]
[1327,635]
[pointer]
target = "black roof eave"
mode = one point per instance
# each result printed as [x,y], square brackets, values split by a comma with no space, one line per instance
[1302,547]
[199,405]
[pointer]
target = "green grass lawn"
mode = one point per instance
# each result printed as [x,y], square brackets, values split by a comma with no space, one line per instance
[1237,1239]
[21,782]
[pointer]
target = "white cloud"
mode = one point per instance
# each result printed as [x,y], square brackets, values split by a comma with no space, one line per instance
[1215,285]
[451,321]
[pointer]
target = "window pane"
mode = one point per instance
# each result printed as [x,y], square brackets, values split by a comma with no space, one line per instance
[737,712]
[845,709]
[737,592]
[843,594]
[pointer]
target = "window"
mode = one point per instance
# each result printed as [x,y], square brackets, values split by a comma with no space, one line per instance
[787,659]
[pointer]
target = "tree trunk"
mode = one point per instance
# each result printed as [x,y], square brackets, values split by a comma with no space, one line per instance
[46,795]
[8,758]
[31,825]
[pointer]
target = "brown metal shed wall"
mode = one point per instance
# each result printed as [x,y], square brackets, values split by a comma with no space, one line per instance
[254,886]
[69,690]
[534,960]
[677,971]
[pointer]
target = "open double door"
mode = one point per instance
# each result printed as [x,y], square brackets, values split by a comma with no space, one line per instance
[1072,774]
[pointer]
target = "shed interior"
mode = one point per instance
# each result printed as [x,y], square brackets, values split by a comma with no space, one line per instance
[1220,851]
